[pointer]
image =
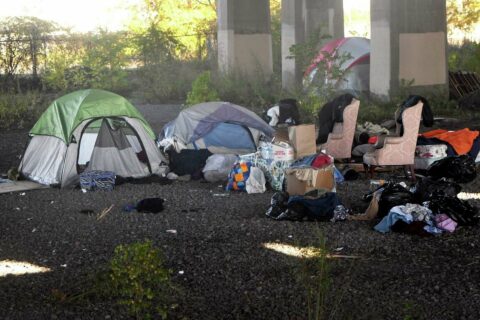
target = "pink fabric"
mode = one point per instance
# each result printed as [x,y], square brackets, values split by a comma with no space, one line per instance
[340,141]
[399,150]
[444,222]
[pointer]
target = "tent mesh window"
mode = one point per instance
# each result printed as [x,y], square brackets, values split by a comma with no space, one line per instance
[120,128]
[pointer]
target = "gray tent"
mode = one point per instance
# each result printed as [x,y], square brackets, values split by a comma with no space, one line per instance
[220,127]
[90,129]
[114,152]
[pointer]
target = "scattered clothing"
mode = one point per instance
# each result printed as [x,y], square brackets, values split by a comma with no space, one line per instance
[273,114]
[395,214]
[445,223]
[315,208]
[147,205]
[150,205]
[461,140]
[188,161]
[340,213]
[411,101]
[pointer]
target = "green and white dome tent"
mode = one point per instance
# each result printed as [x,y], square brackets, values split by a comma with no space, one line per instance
[90,129]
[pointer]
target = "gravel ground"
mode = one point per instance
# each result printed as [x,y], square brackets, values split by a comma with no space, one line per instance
[227,272]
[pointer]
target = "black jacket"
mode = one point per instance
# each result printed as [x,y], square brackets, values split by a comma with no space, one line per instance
[330,113]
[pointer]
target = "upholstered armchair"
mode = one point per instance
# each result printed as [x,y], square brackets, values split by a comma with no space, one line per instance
[340,140]
[398,150]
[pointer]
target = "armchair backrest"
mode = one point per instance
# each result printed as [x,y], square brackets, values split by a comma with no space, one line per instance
[350,114]
[340,140]
[401,150]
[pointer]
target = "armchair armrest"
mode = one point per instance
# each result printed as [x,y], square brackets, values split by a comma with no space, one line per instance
[335,136]
[391,139]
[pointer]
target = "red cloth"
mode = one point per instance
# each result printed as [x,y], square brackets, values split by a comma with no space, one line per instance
[321,160]
[373,140]
[460,140]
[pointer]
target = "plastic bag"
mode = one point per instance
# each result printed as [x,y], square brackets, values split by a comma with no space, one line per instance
[278,204]
[427,188]
[218,167]
[393,195]
[460,211]
[256,181]
[459,168]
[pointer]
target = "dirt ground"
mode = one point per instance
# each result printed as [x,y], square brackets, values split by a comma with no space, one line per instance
[218,255]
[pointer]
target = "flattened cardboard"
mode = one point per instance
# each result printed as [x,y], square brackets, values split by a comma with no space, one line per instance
[302,138]
[324,180]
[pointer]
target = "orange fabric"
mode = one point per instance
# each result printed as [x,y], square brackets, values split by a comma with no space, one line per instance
[433,133]
[460,140]
[239,177]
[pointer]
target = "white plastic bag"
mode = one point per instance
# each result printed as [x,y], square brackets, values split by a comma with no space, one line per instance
[218,167]
[256,181]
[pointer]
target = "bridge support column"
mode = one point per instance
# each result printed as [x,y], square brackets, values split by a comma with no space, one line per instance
[408,46]
[244,37]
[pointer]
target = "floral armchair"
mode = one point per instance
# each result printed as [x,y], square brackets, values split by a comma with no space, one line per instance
[340,140]
[397,150]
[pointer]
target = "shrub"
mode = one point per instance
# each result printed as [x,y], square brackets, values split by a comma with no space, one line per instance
[253,91]
[139,279]
[166,81]
[314,276]
[20,110]
[202,90]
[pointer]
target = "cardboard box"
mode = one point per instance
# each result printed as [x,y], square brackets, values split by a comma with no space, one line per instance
[281,134]
[282,151]
[322,179]
[302,138]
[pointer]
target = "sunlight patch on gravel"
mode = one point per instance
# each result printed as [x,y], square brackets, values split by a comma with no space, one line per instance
[299,252]
[468,196]
[11,267]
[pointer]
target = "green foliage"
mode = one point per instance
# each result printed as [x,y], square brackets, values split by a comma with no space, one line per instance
[187,25]
[306,51]
[322,86]
[314,276]
[465,57]
[202,90]
[23,46]
[20,110]
[463,14]
[105,57]
[140,280]
[60,60]
[254,91]
[168,81]
[90,61]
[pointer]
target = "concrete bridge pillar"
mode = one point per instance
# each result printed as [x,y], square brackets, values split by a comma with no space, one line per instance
[408,43]
[244,37]
[301,19]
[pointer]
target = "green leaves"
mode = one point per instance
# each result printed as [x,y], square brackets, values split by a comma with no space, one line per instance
[202,90]
[140,281]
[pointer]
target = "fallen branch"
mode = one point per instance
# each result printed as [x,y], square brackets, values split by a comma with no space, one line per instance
[104,212]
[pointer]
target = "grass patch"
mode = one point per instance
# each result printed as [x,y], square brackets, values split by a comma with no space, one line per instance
[18,111]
